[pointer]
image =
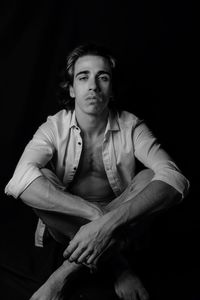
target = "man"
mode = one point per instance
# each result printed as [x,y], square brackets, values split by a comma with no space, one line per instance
[92,192]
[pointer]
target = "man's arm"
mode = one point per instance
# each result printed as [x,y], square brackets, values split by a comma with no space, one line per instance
[167,187]
[156,196]
[93,238]
[30,184]
[42,194]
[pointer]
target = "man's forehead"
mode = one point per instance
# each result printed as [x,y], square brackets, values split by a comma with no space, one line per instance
[92,62]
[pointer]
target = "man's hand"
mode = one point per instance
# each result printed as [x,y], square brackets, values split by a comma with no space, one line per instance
[89,242]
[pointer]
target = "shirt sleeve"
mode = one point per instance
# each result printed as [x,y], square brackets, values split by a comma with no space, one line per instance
[35,156]
[151,154]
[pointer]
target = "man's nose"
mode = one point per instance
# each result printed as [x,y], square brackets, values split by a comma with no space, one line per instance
[93,85]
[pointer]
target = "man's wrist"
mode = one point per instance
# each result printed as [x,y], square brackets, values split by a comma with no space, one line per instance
[110,222]
[94,212]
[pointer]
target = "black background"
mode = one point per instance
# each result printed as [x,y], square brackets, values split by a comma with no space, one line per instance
[156,49]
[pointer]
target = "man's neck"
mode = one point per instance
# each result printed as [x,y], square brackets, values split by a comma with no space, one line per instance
[92,125]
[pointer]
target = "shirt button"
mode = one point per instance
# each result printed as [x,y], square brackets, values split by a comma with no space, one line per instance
[79,143]
[75,168]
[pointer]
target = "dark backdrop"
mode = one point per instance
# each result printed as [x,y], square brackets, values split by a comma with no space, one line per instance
[155,45]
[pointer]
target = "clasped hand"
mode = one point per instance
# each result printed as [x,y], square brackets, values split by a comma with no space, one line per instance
[89,243]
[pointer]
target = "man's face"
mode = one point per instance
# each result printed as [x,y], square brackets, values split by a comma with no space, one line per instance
[92,86]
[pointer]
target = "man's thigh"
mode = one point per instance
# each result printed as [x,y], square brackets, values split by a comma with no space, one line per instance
[61,227]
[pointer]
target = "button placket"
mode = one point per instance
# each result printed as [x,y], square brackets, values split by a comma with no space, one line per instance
[75,153]
[107,165]
[109,170]
[78,151]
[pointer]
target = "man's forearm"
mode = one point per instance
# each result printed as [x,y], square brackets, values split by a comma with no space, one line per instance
[157,196]
[94,237]
[42,194]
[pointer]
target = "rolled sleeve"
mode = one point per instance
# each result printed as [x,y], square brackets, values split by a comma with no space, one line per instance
[151,154]
[168,172]
[36,155]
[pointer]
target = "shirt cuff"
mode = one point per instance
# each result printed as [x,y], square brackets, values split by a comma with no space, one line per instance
[171,175]
[19,182]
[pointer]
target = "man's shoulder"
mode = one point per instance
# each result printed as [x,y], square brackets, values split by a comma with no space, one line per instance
[61,116]
[128,119]
[59,122]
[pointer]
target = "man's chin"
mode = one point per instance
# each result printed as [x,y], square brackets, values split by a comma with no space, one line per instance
[94,109]
[93,112]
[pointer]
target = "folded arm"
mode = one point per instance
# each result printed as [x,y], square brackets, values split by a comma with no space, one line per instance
[35,189]
[155,197]
[44,195]
[167,187]
[93,238]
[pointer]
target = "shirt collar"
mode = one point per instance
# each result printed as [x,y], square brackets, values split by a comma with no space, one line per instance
[112,124]
[73,122]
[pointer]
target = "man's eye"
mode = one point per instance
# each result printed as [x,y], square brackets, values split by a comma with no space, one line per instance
[82,78]
[104,78]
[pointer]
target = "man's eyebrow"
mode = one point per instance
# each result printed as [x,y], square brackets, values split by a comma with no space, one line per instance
[82,72]
[85,72]
[104,72]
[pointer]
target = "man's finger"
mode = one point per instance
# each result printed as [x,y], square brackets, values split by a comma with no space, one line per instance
[76,253]
[98,255]
[70,249]
[84,255]
[91,259]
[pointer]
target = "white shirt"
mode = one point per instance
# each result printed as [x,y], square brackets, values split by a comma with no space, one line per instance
[126,139]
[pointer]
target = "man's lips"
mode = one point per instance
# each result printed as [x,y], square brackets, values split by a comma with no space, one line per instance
[93,98]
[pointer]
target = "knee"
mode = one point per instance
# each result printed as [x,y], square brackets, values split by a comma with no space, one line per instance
[145,175]
[141,180]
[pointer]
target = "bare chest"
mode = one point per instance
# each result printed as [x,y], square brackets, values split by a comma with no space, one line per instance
[90,180]
[91,158]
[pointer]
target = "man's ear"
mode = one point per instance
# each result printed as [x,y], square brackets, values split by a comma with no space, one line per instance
[71,91]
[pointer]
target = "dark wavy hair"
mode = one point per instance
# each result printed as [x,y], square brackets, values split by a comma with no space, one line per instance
[66,76]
